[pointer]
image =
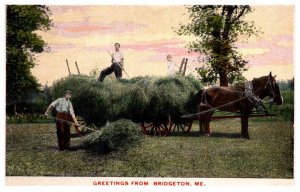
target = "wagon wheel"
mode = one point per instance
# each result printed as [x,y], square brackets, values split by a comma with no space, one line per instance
[184,125]
[85,126]
[156,129]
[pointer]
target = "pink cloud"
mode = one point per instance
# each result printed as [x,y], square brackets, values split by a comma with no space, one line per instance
[162,48]
[282,38]
[276,54]
[86,28]
[58,47]
[98,48]
[174,47]
[83,28]
[159,49]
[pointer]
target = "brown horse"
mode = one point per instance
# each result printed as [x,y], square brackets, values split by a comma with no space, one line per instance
[219,96]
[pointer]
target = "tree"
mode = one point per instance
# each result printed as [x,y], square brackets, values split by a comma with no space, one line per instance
[216,28]
[22,43]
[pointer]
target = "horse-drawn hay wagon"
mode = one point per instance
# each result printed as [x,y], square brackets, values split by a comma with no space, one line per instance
[163,105]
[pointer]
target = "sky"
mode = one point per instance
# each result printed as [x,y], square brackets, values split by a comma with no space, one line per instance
[146,33]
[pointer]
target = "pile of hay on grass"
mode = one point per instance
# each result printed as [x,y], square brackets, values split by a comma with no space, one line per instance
[120,134]
[139,99]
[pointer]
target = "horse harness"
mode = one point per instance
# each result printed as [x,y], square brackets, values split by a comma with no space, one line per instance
[258,104]
[271,87]
[250,95]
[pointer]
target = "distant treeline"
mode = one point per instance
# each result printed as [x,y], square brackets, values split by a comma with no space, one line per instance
[286,84]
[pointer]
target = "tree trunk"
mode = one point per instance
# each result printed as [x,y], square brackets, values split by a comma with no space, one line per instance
[223,79]
[228,20]
[225,49]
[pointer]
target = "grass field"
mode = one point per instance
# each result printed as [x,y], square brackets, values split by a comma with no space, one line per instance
[32,151]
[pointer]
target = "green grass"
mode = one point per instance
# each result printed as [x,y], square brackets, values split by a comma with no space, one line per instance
[29,118]
[285,111]
[31,150]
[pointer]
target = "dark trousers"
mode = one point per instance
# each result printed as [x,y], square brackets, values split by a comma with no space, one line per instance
[113,68]
[63,130]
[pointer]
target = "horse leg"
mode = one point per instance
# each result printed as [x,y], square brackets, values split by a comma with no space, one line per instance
[207,121]
[208,128]
[204,119]
[244,122]
[201,127]
[204,128]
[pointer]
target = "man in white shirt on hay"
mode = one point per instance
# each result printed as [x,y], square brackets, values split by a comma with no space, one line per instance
[171,66]
[116,66]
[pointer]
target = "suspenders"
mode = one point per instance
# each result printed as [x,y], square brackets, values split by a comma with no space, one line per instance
[61,105]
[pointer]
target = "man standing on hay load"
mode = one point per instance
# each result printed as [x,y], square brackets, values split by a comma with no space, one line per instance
[116,66]
[171,66]
[64,118]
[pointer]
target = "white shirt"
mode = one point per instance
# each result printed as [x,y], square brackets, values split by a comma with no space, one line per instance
[63,105]
[171,68]
[117,56]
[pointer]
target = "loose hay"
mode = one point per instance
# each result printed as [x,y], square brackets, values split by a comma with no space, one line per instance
[139,99]
[119,134]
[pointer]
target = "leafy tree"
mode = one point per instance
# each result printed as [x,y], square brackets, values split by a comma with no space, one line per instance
[216,28]
[22,43]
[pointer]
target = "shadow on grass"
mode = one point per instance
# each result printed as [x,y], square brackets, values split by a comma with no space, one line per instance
[76,148]
[184,134]
[71,148]
[52,147]
[197,134]
[226,135]
[77,135]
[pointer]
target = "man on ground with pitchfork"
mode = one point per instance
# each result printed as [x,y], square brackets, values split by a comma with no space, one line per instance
[64,118]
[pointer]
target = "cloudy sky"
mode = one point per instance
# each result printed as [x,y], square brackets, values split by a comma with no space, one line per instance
[146,35]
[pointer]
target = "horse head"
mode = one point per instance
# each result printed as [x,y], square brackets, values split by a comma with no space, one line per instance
[272,89]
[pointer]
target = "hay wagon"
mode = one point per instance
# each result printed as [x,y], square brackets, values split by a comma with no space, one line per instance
[184,124]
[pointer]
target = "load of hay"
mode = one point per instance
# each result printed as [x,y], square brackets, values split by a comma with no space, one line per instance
[119,134]
[139,99]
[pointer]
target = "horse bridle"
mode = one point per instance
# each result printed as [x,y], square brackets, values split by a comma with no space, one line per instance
[271,87]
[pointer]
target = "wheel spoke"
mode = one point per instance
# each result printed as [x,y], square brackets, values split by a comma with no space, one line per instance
[158,129]
[148,126]
[152,129]
[190,125]
[162,130]
[182,127]
[174,127]
[165,130]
